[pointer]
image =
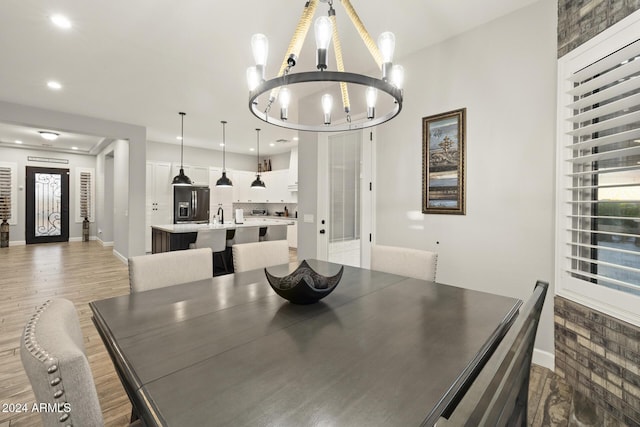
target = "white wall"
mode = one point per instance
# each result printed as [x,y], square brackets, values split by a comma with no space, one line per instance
[19,156]
[504,74]
[104,197]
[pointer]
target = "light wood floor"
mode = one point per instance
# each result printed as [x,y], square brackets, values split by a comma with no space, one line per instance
[83,272]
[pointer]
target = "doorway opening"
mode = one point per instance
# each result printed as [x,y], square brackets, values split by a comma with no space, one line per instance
[345,197]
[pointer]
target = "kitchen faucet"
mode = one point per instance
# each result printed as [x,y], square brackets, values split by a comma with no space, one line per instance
[221,214]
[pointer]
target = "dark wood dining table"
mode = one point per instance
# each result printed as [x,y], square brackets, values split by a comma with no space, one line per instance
[381,350]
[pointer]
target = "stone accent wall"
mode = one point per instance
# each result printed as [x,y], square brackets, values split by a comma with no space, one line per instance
[599,356]
[581,20]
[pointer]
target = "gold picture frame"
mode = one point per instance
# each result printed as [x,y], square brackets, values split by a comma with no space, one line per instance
[444,163]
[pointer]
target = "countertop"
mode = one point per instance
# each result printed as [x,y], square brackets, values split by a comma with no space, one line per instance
[263,217]
[190,228]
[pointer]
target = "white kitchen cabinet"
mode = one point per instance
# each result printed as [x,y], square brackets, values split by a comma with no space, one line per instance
[276,187]
[293,170]
[292,235]
[199,175]
[158,198]
[242,192]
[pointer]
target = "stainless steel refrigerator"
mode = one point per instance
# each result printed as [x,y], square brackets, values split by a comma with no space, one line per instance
[190,204]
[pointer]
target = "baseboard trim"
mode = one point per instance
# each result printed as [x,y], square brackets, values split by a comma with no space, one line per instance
[544,359]
[17,243]
[104,244]
[121,257]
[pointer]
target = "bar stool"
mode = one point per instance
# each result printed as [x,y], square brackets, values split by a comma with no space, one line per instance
[263,234]
[217,241]
[276,232]
[241,235]
[246,235]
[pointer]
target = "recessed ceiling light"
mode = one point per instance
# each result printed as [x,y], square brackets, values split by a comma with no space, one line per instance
[179,138]
[61,21]
[74,148]
[295,138]
[54,85]
[49,136]
[222,144]
[252,149]
[17,141]
[272,145]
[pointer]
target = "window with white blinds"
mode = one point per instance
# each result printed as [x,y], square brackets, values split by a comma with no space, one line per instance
[85,194]
[5,193]
[599,174]
[8,195]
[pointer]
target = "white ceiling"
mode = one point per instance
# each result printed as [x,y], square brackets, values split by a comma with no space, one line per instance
[143,61]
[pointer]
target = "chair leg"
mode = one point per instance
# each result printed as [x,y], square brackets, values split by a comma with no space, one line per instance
[224,261]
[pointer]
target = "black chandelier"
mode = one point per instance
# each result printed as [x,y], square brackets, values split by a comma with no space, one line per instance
[263,93]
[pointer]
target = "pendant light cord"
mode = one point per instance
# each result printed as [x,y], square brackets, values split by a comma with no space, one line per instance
[182,140]
[224,147]
[258,135]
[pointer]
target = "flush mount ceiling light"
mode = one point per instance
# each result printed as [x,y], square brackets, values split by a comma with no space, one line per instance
[224,181]
[258,183]
[48,135]
[52,84]
[61,21]
[263,93]
[181,178]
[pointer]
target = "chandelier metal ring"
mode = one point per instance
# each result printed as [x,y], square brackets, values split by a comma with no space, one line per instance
[325,76]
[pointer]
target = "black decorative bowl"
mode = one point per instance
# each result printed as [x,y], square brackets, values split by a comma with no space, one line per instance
[304,285]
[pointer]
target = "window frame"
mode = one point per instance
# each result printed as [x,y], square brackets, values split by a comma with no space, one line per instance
[14,191]
[79,171]
[619,304]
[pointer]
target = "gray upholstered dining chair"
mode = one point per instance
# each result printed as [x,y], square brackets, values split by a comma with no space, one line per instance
[405,262]
[276,232]
[246,235]
[154,271]
[216,239]
[249,256]
[53,355]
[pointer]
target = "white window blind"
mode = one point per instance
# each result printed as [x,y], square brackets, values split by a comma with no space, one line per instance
[85,194]
[599,175]
[8,192]
[5,193]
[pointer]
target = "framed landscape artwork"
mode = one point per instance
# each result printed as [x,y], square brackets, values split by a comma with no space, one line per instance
[443,163]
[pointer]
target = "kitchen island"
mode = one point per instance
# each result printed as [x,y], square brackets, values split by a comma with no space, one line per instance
[177,237]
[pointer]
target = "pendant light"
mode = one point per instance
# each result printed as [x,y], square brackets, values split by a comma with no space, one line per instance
[224,181]
[181,178]
[258,183]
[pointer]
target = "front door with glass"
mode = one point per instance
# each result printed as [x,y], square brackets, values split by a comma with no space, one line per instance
[47,205]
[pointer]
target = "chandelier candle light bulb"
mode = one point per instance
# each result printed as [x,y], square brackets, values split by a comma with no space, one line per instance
[323,30]
[285,98]
[327,105]
[253,79]
[372,97]
[387,45]
[397,76]
[260,48]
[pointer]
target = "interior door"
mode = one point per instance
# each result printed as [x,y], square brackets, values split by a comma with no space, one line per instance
[345,200]
[47,205]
